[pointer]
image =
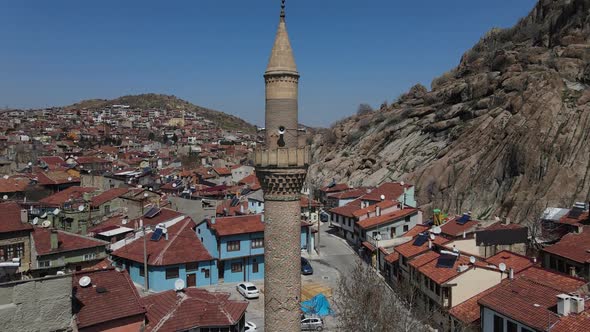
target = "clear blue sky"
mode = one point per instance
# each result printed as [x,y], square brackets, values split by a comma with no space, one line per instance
[214,52]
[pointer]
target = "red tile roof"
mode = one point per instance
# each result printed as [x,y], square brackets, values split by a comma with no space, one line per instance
[424,258]
[108,196]
[566,219]
[66,241]
[55,177]
[225,226]
[391,191]
[52,161]
[415,230]
[453,229]
[512,260]
[335,188]
[182,246]
[573,246]
[500,225]
[394,256]
[348,209]
[350,193]
[119,301]
[13,185]
[171,311]
[10,218]
[61,197]
[468,312]
[386,218]
[164,215]
[372,208]
[225,208]
[408,249]
[440,275]
[222,171]
[368,246]
[531,297]
[580,322]
[304,202]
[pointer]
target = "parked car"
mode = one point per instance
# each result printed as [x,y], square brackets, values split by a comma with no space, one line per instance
[250,327]
[306,268]
[248,290]
[312,324]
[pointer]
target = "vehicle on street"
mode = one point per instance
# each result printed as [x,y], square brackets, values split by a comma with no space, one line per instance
[248,290]
[306,268]
[250,327]
[312,324]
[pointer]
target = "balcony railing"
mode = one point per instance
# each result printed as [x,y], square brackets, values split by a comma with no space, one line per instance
[283,157]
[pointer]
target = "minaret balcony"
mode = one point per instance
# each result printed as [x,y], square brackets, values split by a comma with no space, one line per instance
[293,157]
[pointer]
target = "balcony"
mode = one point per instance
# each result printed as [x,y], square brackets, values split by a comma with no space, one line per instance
[283,157]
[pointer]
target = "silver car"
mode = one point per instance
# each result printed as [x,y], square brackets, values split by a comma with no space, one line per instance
[312,324]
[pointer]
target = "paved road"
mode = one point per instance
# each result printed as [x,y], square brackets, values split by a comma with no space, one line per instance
[335,258]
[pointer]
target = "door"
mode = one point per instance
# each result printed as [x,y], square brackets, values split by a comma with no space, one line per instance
[191,280]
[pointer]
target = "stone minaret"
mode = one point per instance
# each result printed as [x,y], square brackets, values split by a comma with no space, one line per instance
[281,166]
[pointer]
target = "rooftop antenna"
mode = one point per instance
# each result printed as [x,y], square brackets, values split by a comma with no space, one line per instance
[472,259]
[436,230]
[502,267]
[81,208]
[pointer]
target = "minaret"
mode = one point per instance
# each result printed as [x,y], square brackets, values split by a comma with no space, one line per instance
[281,166]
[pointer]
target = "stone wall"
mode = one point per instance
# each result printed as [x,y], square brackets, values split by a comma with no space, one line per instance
[37,305]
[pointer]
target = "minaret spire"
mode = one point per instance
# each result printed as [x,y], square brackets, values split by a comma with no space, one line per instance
[283,9]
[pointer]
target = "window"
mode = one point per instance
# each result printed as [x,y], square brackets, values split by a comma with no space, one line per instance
[42,264]
[236,267]
[511,326]
[141,271]
[206,273]
[258,243]
[406,228]
[90,256]
[11,251]
[107,209]
[524,329]
[193,266]
[233,246]
[407,219]
[498,324]
[172,273]
[437,289]
[254,266]
[552,263]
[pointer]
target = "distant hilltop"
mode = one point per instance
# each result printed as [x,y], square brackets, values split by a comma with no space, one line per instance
[160,101]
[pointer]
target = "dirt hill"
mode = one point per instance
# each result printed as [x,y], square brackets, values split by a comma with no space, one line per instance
[505,133]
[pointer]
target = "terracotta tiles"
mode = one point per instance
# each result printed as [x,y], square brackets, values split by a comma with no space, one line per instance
[61,197]
[10,218]
[108,196]
[66,241]
[119,300]
[178,311]
[386,218]
[512,260]
[225,226]
[573,246]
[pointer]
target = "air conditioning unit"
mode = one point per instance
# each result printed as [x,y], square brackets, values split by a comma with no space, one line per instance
[576,304]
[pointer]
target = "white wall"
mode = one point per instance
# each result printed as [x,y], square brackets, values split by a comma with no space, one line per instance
[473,282]
[487,320]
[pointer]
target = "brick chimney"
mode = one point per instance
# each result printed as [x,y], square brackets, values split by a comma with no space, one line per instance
[53,239]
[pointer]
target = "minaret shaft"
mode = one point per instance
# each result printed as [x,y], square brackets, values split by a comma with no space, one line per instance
[281,167]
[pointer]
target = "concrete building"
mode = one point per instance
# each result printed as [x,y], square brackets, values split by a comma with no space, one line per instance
[281,167]
[15,238]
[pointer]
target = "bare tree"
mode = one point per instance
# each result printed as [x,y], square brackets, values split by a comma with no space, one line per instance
[365,302]
[364,109]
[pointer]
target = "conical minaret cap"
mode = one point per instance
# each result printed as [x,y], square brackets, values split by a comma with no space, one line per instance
[281,57]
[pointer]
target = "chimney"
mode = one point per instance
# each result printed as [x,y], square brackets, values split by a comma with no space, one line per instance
[572,271]
[579,229]
[53,239]
[511,273]
[506,221]
[429,244]
[378,211]
[213,221]
[563,304]
[577,304]
[24,216]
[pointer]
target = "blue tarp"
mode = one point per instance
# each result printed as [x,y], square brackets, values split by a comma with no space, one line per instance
[317,305]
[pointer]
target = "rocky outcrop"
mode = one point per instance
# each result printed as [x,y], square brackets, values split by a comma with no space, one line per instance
[503,133]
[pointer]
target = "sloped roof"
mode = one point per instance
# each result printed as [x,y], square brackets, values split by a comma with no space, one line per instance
[182,246]
[172,311]
[281,56]
[386,218]
[66,241]
[391,191]
[512,260]
[61,197]
[573,246]
[225,226]
[11,185]
[10,218]
[108,196]
[453,228]
[120,300]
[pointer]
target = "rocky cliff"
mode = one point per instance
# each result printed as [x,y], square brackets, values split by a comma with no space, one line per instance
[504,133]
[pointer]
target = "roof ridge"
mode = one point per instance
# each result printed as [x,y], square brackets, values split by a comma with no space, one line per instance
[170,314]
[174,237]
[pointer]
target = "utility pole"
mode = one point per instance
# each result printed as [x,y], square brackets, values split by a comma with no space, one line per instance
[145,269]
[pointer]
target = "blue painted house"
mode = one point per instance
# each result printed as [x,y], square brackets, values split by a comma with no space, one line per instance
[238,245]
[173,252]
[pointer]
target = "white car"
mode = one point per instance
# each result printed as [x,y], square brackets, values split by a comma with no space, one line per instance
[250,327]
[248,290]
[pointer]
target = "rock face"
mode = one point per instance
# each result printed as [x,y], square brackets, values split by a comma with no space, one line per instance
[505,132]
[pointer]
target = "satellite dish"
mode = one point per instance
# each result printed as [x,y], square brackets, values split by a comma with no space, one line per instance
[179,284]
[145,194]
[36,221]
[5,177]
[124,221]
[30,163]
[56,212]
[46,223]
[81,208]
[5,197]
[174,185]
[139,186]
[69,178]
[502,267]
[472,260]
[60,273]
[382,197]
[84,281]
[44,215]
[432,236]
[75,157]
[436,230]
